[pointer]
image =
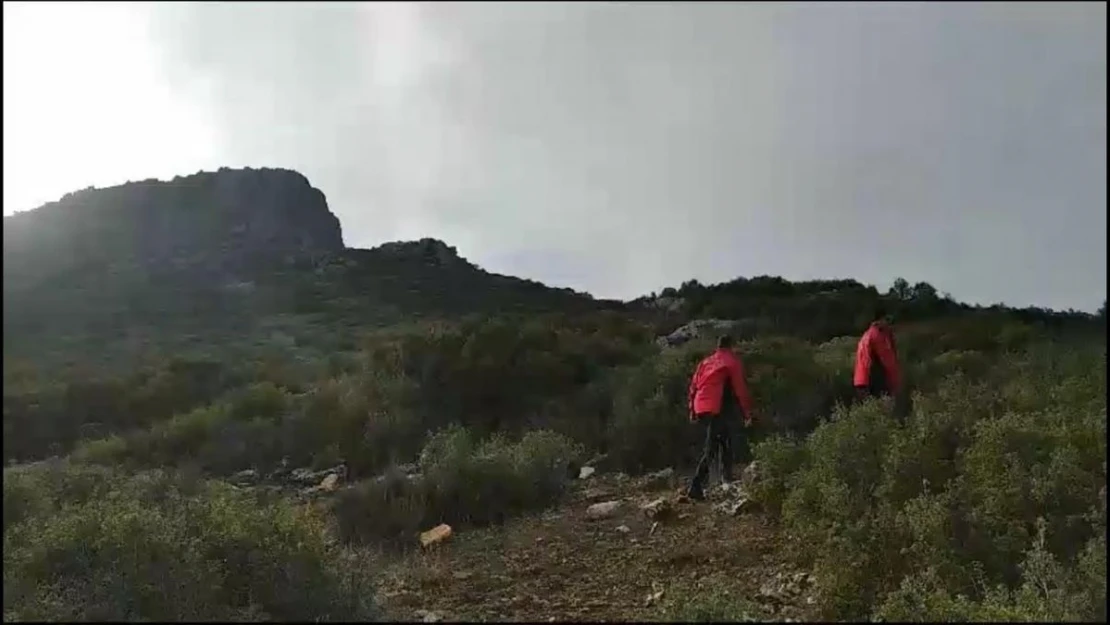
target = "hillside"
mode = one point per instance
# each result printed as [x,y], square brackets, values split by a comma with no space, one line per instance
[213,410]
[230,258]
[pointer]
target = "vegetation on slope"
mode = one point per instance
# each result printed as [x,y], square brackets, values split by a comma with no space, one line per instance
[158,382]
[994,483]
[86,543]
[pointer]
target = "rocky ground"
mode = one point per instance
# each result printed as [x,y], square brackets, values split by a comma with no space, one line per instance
[617,549]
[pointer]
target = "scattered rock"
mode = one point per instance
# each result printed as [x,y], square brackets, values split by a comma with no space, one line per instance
[427,616]
[750,474]
[305,475]
[585,472]
[595,494]
[247,475]
[436,535]
[462,575]
[603,510]
[734,500]
[659,509]
[330,482]
[695,329]
[735,507]
[301,475]
[624,529]
[787,589]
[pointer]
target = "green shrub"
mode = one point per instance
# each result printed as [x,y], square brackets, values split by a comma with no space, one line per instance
[50,417]
[464,481]
[1048,592]
[650,427]
[781,461]
[937,515]
[160,547]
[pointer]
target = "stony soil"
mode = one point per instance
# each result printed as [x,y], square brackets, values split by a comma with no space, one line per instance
[565,565]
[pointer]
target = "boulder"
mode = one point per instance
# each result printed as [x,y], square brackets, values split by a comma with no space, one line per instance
[329,483]
[603,510]
[436,535]
[696,329]
[658,510]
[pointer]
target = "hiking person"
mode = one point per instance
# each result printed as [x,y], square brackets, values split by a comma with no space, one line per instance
[718,396]
[877,371]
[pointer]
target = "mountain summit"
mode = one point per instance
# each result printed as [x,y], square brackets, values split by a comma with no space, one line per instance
[223,217]
[226,257]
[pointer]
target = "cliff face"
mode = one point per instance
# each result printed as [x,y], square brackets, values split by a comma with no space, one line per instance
[216,218]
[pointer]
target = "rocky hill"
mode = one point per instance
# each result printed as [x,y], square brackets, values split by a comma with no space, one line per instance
[223,218]
[302,431]
[229,256]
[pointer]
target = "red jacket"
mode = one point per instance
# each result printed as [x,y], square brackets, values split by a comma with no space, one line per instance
[877,360]
[707,387]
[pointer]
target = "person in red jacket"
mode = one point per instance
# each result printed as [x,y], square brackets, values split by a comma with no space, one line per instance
[877,371]
[718,392]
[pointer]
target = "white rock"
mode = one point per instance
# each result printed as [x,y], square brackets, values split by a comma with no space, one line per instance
[585,472]
[329,483]
[603,510]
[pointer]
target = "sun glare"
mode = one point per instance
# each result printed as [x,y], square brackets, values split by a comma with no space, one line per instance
[85,103]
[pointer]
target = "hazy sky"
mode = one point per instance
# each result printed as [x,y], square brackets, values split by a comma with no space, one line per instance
[614,148]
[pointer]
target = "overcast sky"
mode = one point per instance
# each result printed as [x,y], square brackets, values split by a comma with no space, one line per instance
[613,148]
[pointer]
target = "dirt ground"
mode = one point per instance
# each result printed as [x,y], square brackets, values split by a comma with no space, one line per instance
[562,565]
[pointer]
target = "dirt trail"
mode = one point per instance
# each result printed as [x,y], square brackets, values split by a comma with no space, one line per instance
[562,565]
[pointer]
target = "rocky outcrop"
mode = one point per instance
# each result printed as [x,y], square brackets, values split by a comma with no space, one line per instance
[431,252]
[209,218]
[222,260]
[697,329]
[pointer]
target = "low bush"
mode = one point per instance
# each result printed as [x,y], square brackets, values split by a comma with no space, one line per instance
[939,516]
[464,481]
[85,543]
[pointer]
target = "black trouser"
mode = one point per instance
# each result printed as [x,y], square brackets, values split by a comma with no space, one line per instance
[718,446]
